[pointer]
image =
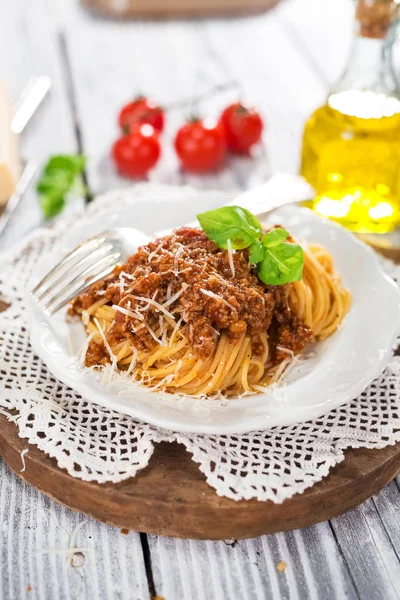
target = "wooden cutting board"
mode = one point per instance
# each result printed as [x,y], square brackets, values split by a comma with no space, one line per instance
[125,9]
[171,496]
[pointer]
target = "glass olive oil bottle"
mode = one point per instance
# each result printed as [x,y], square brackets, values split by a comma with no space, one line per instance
[351,145]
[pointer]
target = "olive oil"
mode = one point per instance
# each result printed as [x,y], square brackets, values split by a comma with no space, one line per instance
[351,145]
[351,156]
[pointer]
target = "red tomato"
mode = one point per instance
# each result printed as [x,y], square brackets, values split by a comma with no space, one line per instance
[137,152]
[243,127]
[141,110]
[201,145]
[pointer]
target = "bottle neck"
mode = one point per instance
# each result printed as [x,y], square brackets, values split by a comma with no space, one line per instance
[368,67]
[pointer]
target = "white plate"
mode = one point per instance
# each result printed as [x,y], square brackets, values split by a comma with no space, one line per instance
[342,366]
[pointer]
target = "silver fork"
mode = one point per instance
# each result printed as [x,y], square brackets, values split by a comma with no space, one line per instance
[90,261]
[94,259]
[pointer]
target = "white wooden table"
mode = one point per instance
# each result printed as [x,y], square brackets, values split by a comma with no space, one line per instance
[284,62]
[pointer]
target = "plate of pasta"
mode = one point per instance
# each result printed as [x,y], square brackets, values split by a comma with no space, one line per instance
[226,327]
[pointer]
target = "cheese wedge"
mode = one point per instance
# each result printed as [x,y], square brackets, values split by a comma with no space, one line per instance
[9,156]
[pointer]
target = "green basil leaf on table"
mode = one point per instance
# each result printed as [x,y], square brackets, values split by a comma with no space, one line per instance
[61,175]
[281,264]
[74,163]
[56,180]
[52,204]
[230,223]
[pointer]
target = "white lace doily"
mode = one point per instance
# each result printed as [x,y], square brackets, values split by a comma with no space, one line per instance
[96,444]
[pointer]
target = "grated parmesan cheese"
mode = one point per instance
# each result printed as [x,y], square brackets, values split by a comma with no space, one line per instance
[113,369]
[163,382]
[174,331]
[121,284]
[230,258]
[285,350]
[135,329]
[148,300]
[176,261]
[153,335]
[176,296]
[127,275]
[128,313]
[155,252]
[23,459]
[133,361]
[103,337]
[72,549]
[156,304]
[85,349]
[219,298]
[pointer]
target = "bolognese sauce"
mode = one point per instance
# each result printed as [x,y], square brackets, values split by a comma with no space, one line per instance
[209,291]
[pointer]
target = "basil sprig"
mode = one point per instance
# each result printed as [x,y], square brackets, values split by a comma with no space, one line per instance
[278,261]
[61,175]
[230,223]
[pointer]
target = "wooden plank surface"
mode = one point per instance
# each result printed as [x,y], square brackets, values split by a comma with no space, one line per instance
[284,61]
[26,52]
[253,569]
[35,537]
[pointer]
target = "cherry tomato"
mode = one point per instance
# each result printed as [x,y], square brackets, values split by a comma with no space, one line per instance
[243,127]
[141,110]
[137,152]
[201,145]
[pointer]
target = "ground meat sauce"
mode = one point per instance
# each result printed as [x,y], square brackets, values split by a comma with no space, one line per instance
[216,298]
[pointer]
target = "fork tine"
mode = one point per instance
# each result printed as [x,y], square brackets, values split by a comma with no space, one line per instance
[97,254]
[81,279]
[106,271]
[81,249]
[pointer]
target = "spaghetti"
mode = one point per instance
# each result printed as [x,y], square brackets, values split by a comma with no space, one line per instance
[186,317]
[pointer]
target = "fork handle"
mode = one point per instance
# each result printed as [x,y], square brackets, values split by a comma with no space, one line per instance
[22,185]
[280,190]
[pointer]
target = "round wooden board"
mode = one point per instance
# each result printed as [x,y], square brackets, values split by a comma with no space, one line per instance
[159,9]
[387,244]
[171,496]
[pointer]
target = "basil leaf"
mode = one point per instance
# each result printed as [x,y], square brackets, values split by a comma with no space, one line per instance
[278,262]
[282,264]
[55,180]
[230,223]
[61,176]
[74,163]
[275,237]
[256,252]
[52,203]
